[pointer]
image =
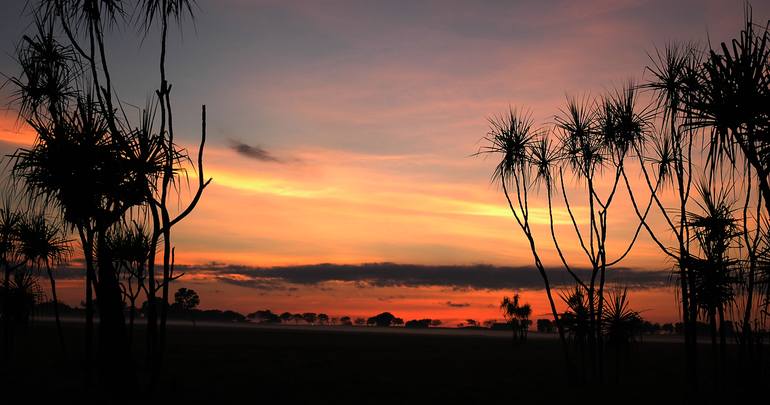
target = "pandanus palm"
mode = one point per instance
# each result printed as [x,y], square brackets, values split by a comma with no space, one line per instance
[620,323]
[576,317]
[731,97]
[669,156]
[43,244]
[715,232]
[130,247]
[512,138]
[595,137]
[9,237]
[87,161]
[80,167]
[518,315]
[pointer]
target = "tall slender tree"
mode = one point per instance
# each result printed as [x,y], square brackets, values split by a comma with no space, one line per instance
[93,164]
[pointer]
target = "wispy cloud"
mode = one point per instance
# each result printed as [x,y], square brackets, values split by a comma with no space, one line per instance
[255,152]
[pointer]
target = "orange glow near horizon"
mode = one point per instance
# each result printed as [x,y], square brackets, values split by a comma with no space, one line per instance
[363,122]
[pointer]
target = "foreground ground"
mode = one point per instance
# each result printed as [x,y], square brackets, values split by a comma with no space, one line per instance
[327,365]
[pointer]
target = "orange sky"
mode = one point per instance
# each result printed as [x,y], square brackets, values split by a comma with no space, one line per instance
[370,112]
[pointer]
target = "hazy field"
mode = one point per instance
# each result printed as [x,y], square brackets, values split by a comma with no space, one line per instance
[334,364]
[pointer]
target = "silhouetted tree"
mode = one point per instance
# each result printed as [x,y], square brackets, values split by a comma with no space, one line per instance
[310,317]
[10,261]
[667,161]
[418,323]
[517,315]
[383,319]
[323,319]
[187,299]
[92,164]
[43,244]
[285,316]
[264,316]
[621,323]
[716,232]
[513,138]
[130,247]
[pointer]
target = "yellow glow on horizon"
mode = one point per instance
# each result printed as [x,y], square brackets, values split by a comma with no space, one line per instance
[265,185]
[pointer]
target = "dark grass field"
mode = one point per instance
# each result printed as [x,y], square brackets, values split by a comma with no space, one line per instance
[334,365]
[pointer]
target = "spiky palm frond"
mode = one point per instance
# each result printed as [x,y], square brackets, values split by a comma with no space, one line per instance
[81,14]
[622,126]
[543,157]
[23,293]
[732,96]
[148,11]
[664,158]
[9,232]
[716,231]
[716,227]
[580,140]
[48,70]
[510,136]
[620,323]
[576,319]
[43,240]
[78,165]
[129,244]
[509,306]
[672,76]
[512,310]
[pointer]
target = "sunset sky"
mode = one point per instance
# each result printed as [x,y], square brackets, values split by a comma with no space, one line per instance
[342,132]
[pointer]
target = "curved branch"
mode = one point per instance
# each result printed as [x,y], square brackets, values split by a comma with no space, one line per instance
[572,217]
[636,233]
[654,195]
[201,183]
[644,222]
[555,241]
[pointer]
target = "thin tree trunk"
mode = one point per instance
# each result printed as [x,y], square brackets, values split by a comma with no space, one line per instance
[547,285]
[55,307]
[714,347]
[165,287]
[86,238]
[6,313]
[116,366]
[152,304]
[722,337]
[131,316]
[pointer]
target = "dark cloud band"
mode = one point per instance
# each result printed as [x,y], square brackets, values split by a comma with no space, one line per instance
[476,277]
[483,277]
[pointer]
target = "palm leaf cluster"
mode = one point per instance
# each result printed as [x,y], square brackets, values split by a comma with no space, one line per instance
[98,168]
[30,243]
[576,318]
[621,324]
[517,315]
[716,232]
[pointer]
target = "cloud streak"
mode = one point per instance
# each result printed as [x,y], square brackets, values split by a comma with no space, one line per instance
[255,152]
[475,277]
